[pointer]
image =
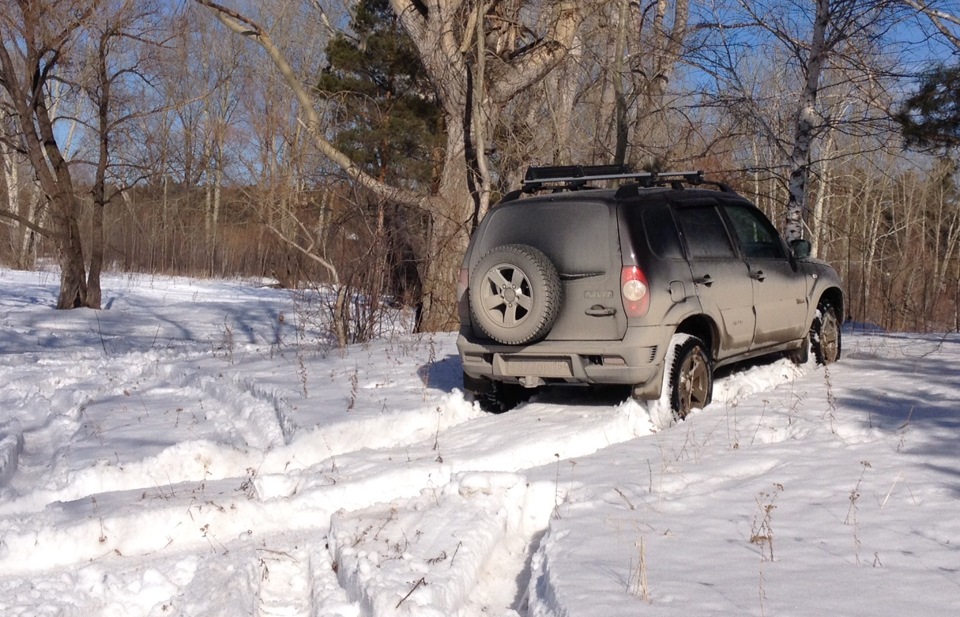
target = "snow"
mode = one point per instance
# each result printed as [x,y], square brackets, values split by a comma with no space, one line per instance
[197,448]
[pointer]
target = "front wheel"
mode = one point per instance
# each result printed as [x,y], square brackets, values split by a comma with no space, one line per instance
[825,337]
[690,376]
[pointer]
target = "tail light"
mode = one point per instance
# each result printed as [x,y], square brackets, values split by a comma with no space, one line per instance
[635,291]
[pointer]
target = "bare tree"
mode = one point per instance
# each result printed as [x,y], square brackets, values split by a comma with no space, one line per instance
[843,36]
[37,38]
[474,77]
[18,201]
[124,37]
[662,28]
[834,30]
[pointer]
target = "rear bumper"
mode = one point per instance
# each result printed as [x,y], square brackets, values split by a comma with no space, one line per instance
[637,360]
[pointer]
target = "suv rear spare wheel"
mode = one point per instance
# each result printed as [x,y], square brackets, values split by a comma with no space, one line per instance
[515,294]
[690,377]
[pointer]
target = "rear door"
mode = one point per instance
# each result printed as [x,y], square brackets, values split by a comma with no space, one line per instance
[721,278]
[779,287]
[580,237]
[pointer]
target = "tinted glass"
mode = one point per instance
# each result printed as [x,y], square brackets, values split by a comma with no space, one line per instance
[705,233]
[575,235]
[758,239]
[661,232]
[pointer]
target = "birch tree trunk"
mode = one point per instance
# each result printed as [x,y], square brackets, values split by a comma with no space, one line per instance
[797,211]
[11,179]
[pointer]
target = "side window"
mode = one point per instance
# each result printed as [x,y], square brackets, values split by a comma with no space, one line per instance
[757,237]
[650,224]
[661,231]
[705,233]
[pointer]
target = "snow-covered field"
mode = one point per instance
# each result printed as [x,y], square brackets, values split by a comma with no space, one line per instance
[192,450]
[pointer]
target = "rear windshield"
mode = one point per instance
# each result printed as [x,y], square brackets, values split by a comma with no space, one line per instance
[577,236]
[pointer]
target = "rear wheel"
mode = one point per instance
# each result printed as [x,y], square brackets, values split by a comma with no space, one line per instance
[690,380]
[825,336]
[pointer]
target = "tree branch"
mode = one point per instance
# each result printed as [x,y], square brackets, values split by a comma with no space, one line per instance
[937,17]
[507,79]
[250,29]
[43,231]
[306,252]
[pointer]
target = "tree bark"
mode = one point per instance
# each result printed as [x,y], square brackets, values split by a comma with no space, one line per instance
[797,211]
[445,46]
[655,69]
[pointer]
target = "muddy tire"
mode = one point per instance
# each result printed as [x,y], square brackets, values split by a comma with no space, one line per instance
[690,377]
[825,337]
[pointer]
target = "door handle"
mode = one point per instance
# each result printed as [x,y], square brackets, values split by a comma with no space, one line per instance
[704,280]
[598,310]
[758,275]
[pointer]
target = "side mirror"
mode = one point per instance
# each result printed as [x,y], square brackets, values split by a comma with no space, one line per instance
[801,248]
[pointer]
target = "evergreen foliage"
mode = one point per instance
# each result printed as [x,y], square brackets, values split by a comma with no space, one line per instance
[389,119]
[930,118]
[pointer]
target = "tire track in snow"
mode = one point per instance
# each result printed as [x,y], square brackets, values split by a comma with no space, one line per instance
[148,520]
[11,445]
[285,583]
[91,396]
[157,521]
[70,382]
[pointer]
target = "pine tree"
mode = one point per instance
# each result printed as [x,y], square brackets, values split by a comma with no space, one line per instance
[930,118]
[389,119]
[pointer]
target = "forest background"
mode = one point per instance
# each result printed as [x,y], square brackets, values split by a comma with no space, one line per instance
[355,145]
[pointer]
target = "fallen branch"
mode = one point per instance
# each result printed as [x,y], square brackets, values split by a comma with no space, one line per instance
[422,581]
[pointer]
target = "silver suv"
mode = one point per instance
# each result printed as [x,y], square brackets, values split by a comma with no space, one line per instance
[653,284]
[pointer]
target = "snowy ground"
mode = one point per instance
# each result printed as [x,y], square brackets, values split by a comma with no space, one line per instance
[192,450]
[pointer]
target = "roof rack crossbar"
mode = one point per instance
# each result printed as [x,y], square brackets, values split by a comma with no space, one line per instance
[576,176]
[564,172]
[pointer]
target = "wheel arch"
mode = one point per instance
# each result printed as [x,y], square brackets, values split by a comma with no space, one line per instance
[703,328]
[833,296]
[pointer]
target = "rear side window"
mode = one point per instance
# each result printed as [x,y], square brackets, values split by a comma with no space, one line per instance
[704,232]
[653,225]
[662,232]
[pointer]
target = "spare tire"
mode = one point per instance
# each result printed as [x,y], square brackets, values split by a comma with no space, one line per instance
[515,294]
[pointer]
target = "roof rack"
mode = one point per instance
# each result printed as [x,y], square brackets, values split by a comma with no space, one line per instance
[576,177]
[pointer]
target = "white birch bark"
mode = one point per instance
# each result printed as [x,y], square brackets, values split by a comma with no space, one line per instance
[807,121]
